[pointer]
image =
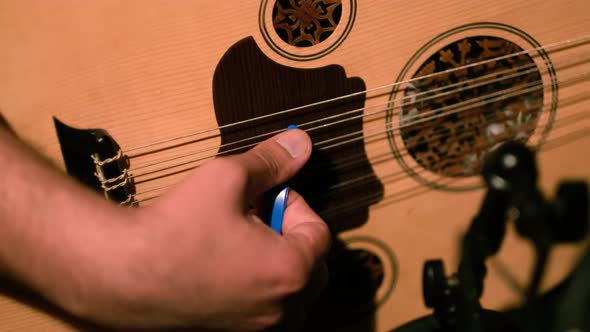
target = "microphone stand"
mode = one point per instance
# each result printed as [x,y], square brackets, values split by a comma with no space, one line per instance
[510,174]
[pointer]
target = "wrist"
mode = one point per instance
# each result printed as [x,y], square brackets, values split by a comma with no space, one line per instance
[108,278]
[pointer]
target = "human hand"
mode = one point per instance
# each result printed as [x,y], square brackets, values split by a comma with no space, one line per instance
[200,256]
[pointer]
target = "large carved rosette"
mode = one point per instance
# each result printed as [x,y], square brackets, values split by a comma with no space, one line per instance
[461,114]
[462,94]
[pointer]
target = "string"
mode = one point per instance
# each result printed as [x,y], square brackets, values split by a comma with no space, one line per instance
[418,170]
[463,133]
[548,146]
[466,131]
[574,118]
[328,147]
[411,192]
[322,142]
[557,45]
[441,181]
[425,92]
[398,196]
[563,122]
[432,115]
[362,134]
[360,110]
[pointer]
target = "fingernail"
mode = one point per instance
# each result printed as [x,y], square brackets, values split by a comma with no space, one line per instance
[295,142]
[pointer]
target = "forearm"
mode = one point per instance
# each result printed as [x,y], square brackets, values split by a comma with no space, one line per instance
[49,226]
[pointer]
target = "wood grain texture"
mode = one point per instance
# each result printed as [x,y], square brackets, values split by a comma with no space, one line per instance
[246,77]
[143,70]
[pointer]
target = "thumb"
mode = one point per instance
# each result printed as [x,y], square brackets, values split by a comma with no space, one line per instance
[275,160]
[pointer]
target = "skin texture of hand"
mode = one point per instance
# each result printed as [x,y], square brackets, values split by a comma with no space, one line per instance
[198,256]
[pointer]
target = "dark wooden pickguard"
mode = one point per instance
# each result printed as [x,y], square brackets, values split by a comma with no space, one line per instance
[248,85]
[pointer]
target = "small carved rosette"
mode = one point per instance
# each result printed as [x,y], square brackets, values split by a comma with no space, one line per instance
[306,29]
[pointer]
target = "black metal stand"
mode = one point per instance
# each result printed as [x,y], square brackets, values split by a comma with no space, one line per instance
[510,174]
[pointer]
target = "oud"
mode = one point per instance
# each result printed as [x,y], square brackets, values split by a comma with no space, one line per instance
[401,99]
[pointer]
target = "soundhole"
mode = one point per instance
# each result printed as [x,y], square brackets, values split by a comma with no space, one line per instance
[362,273]
[370,271]
[356,275]
[449,120]
[305,23]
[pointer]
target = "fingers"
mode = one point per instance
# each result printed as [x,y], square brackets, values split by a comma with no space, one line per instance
[275,160]
[308,237]
[306,232]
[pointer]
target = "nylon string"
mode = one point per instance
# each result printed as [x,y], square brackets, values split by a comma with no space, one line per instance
[394,177]
[472,104]
[557,46]
[371,132]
